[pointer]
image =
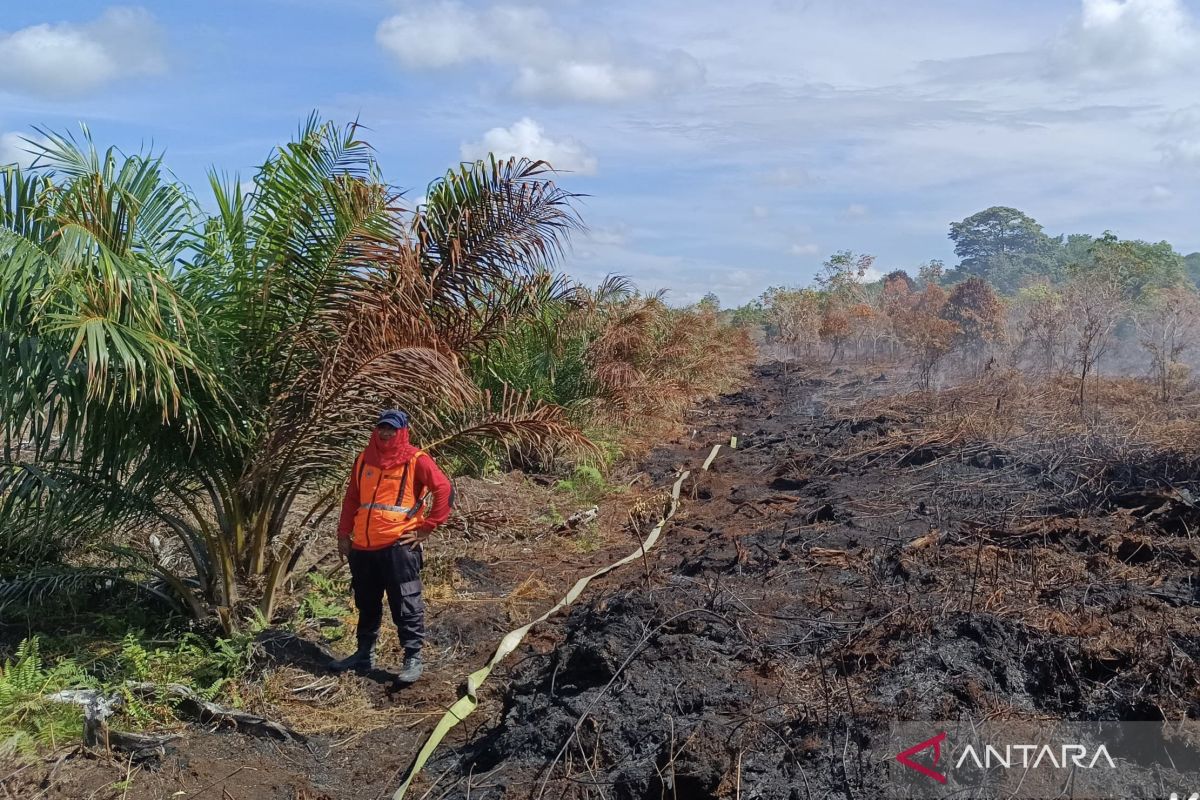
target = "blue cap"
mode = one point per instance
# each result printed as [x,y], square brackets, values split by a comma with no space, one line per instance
[394,417]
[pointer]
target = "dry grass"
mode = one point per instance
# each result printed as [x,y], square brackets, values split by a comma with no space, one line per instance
[322,704]
[528,596]
[654,362]
[1123,439]
[438,576]
[1009,406]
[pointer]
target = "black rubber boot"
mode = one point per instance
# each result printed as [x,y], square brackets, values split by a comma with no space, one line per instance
[411,671]
[361,660]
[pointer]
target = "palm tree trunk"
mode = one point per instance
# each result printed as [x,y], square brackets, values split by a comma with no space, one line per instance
[190,599]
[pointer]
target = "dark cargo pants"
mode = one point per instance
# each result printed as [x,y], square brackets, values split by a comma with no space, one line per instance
[395,570]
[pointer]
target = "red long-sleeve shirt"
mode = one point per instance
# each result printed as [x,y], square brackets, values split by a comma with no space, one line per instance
[427,478]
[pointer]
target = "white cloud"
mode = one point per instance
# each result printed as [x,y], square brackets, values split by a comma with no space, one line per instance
[1181,153]
[548,62]
[855,211]
[788,177]
[1109,43]
[19,148]
[1180,146]
[804,249]
[1183,122]
[434,37]
[527,138]
[68,59]
[614,236]
[606,82]
[1159,194]
[1128,37]
[760,212]
[586,81]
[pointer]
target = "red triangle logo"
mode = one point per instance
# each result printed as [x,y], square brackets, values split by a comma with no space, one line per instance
[905,757]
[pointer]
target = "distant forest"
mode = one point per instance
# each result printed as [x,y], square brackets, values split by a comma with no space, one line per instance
[1018,297]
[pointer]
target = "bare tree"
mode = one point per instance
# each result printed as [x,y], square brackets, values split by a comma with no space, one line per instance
[1166,327]
[1094,303]
[1039,326]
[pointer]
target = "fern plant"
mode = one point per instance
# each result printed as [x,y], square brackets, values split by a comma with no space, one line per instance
[29,720]
[324,599]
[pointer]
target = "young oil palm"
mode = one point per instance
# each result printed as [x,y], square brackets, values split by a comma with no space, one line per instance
[266,335]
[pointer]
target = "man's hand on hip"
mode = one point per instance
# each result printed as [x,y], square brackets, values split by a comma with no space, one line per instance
[414,537]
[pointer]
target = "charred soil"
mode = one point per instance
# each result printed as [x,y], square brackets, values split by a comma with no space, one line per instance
[847,566]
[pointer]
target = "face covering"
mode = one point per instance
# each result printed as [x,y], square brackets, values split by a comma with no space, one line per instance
[390,453]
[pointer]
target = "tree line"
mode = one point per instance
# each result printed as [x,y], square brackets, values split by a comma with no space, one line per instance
[1018,298]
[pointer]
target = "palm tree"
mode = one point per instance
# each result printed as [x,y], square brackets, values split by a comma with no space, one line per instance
[266,337]
[97,350]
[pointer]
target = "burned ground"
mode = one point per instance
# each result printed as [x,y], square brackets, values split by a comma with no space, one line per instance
[863,556]
[835,573]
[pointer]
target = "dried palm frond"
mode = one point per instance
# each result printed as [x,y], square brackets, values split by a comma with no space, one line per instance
[514,421]
[489,229]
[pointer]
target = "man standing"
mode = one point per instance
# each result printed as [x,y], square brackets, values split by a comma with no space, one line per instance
[382,526]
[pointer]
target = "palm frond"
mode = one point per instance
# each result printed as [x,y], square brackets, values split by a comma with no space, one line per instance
[513,420]
[89,319]
[486,226]
[56,585]
[268,265]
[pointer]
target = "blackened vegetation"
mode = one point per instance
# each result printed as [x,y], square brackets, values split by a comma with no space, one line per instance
[837,573]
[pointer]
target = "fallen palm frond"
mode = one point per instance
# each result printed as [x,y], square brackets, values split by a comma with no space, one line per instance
[99,707]
[322,705]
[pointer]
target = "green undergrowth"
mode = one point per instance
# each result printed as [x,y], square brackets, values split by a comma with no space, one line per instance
[608,445]
[102,651]
[325,598]
[551,516]
[29,721]
[587,485]
[325,604]
[49,662]
[586,539]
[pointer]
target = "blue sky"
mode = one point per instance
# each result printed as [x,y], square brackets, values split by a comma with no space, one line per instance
[725,146]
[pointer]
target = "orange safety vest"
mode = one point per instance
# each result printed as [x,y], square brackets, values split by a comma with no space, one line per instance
[388,503]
